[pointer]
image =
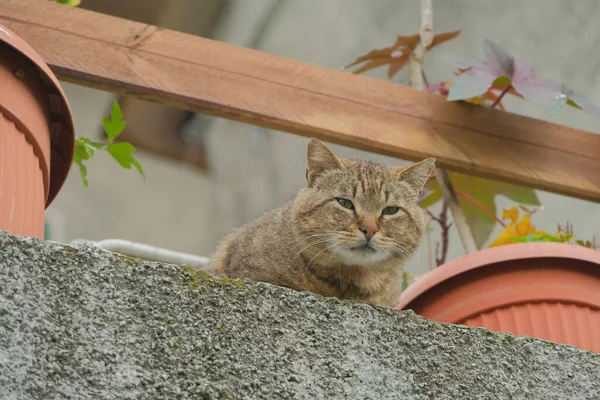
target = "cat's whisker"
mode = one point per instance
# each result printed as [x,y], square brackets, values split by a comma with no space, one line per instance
[388,254]
[402,250]
[399,249]
[331,254]
[300,241]
[400,246]
[306,236]
[311,244]
[311,260]
[319,241]
[335,250]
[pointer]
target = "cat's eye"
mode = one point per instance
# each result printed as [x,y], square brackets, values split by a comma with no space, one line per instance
[345,203]
[390,210]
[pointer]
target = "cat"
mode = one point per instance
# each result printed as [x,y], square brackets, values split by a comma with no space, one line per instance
[346,234]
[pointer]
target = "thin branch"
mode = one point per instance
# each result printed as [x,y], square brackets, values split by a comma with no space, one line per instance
[432,215]
[442,220]
[476,203]
[499,99]
[429,255]
[460,220]
[425,80]
[445,233]
[417,81]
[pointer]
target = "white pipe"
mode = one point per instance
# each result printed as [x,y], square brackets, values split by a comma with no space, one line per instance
[147,252]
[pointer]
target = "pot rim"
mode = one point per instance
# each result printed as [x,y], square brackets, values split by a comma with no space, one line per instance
[64,142]
[493,255]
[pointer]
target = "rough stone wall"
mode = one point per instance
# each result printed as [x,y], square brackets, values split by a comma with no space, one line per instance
[82,323]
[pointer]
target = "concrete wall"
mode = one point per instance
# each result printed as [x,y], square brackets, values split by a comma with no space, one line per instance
[86,324]
[253,169]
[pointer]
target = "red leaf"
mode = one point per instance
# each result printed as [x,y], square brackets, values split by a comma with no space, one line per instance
[397,55]
[443,37]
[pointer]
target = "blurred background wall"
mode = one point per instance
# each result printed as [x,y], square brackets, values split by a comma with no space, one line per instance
[206,175]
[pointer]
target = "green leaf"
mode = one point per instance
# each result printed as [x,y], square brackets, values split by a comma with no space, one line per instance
[435,196]
[543,238]
[580,102]
[82,172]
[529,238]
[587,243]
[73,3]
[565,238]
[115,126]
[84,150]
[485,192]
[573,104]
[405,280]
[502,81]
[123,153]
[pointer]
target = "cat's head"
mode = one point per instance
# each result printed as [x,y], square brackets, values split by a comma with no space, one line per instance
[357,212]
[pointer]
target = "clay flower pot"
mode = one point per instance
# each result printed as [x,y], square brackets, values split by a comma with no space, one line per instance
[36,137]
[544,290]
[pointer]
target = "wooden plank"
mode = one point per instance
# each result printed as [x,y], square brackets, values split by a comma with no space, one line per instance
[246,85]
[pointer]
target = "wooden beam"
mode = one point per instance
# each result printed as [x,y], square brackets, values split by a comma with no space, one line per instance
[246,85]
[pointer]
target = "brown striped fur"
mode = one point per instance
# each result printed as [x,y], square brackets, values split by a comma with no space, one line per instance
[313,243]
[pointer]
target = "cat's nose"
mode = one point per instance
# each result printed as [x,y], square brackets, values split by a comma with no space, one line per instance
[368,230]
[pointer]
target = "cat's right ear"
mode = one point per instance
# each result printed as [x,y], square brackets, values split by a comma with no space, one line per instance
[319,159]
[417,175]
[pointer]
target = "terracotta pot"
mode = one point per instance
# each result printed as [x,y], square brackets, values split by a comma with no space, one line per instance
[544,290]
[36,137]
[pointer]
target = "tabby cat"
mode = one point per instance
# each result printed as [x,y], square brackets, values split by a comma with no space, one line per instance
[346,234]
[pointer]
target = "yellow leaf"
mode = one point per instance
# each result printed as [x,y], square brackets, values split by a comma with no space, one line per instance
[475,100]
[505,236]
[524,227]
[515,228]
[511,213]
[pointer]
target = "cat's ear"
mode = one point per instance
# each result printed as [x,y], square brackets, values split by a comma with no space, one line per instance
[416,175]
[320,159]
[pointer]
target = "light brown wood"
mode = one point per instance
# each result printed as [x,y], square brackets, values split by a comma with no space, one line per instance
[246,85]
[153,127]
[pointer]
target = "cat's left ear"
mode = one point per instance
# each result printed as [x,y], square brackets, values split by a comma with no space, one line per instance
[417,174]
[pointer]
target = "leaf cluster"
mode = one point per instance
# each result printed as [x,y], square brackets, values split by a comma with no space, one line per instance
[485,83]
[122,152]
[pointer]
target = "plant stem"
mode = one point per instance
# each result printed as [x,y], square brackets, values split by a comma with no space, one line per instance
[476,203]
[425,79]
[445,233]
[499,99]
[442,220]
[417,80]
[460,220]
[431,215]
[429,260]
